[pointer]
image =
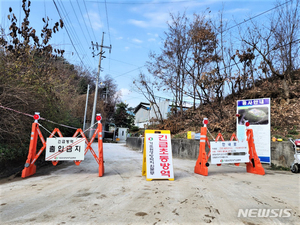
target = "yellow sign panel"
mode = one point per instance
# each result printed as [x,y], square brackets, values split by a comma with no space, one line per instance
[157,156]
[190,135]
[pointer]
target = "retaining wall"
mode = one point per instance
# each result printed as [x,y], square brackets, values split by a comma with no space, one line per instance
[282,153]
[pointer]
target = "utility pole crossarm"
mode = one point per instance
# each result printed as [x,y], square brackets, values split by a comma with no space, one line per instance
[100,46]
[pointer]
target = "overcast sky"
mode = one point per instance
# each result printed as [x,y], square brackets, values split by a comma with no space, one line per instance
[132,27]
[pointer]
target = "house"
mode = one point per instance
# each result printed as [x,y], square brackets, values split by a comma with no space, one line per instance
[142,113]
[145,112]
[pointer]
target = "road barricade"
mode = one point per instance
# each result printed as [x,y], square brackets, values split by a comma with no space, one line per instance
[253,164]
[30,167]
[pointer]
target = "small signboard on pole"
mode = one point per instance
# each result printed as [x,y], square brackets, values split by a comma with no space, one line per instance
[157,160]
[229,152]
[65,148]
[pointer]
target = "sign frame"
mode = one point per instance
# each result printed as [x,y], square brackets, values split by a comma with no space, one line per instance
[157,155]
[258,114]
[229,152]
[65,149]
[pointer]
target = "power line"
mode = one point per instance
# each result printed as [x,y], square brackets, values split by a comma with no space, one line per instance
[84,20]
[78,22]
[68,34]
[220,69]
[257,55]
[107,22]
[108,33]
[253,18]
[128,72]
[166,3]
[181,2]
[67,22]
[286,44]
[89,19]
[123,62]
[258,15]
[142,3]
[72,32]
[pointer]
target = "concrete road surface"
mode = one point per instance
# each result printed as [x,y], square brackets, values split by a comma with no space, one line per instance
[72,194]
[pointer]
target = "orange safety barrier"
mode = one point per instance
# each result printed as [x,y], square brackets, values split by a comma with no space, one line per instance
[253,166]
[30,167]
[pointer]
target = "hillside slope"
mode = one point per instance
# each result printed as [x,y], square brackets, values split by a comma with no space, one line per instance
[285,116]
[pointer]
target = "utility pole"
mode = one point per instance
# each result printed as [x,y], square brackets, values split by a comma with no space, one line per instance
[86,104]
[98,75]
[106,94]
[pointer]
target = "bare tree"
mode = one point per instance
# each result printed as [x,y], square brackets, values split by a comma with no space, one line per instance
[169,66]
[146,87]
[278,42]
[203,46]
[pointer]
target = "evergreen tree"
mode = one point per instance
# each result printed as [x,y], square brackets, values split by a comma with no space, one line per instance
[122,117]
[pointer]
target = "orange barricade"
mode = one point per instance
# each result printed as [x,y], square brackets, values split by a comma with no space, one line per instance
[201,167]
[30,167]
[202,164]
[254,166]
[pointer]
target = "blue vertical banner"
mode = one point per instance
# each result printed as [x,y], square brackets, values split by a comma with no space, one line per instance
[258,113]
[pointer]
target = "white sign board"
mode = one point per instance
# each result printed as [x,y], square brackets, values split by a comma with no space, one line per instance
[159,156]
[229,152]
[65,148]
[258,114]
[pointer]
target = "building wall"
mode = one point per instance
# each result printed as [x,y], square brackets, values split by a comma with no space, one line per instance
[141,117]
[163,106]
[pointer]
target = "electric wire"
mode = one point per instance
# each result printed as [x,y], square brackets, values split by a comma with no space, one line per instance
[108,33]
[68,33]
[170,2]
[258,55]
[124,62]
[262,13]
[78,22]
[107,23]
[84,20]
[73,33]
[89,19]
[68,22]
[128,72]
[251,18]
[142,3]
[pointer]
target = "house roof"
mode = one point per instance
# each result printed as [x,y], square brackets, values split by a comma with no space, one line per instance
[146,106]
[143,105]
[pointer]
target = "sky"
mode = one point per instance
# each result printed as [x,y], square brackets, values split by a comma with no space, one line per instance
[132,27]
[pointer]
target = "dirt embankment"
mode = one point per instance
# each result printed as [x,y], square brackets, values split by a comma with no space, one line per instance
[285,115]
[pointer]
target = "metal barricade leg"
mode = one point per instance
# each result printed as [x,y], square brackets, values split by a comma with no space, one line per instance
[30,168]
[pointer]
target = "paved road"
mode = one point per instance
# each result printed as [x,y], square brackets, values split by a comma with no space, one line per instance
[73,194]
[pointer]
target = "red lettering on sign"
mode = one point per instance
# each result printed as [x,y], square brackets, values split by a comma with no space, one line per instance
[165,173]
[165,166]
[162,137]
[163,151]
[164,158]
[163,144]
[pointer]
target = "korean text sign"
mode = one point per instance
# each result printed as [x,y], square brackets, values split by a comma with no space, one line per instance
[159,156]
[65,148]
[229,152]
